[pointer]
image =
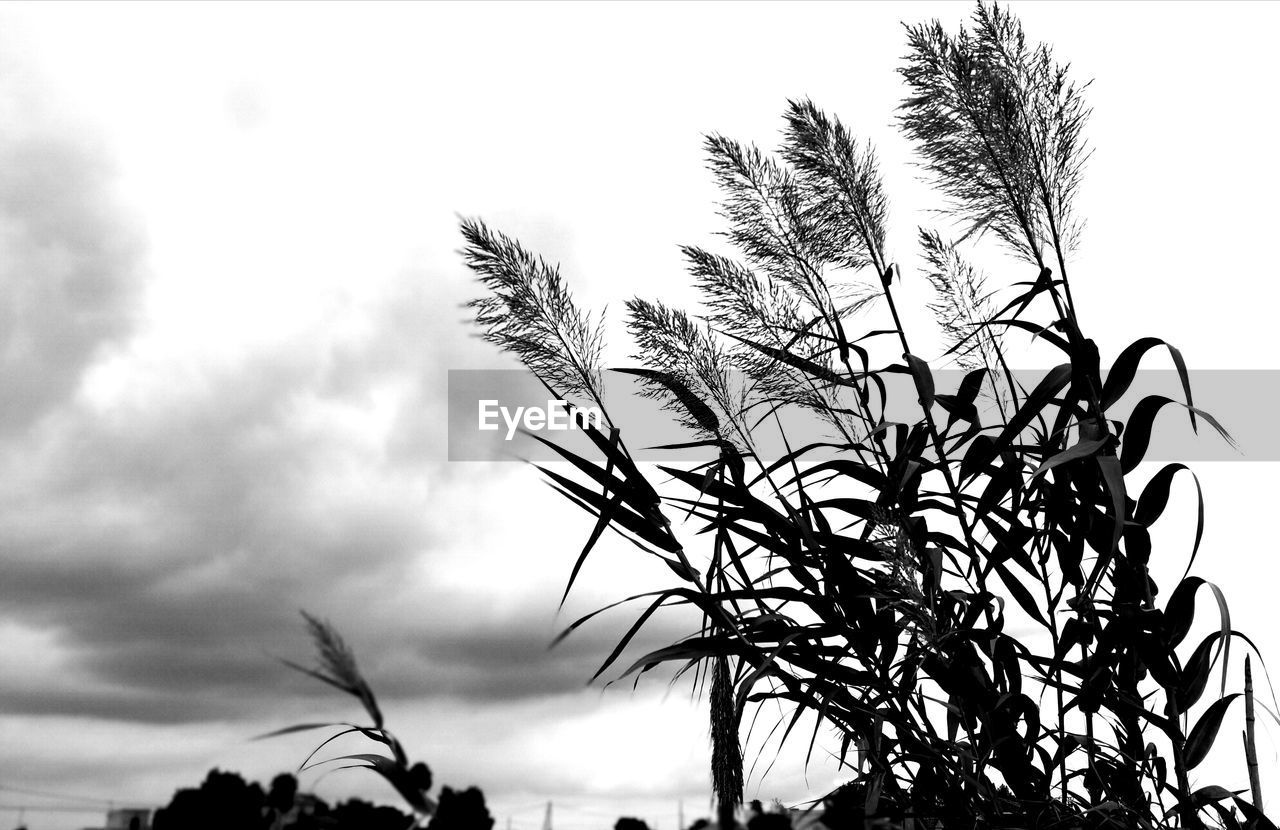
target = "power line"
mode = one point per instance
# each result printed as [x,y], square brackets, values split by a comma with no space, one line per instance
[587,811]
[63,796]
[536,805]
[18,808]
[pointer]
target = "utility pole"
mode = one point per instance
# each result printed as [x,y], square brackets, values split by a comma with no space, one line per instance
[546,821]
[680,814]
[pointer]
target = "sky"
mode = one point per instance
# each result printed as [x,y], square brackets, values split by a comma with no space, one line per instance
[230,295]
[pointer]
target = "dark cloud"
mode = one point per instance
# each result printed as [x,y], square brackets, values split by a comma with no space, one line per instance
[211,654]
[172,545]
[70,274]
[510,658]
[163,519]
[169,537]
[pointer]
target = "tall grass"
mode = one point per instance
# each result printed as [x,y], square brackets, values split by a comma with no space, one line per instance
[964,601]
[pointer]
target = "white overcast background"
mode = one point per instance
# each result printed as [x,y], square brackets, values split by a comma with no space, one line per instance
[230,294]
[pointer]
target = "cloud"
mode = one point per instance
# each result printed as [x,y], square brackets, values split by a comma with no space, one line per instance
[176,502]
[70,256]
[245,104]
[171,537]
[234,408]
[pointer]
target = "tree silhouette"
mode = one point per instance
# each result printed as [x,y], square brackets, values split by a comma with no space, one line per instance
[461,810]
[354,813]
[282,794]
[628,823]
[760,819]
[223,801]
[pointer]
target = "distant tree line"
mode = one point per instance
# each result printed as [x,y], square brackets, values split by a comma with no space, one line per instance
[225,801]
[757,817]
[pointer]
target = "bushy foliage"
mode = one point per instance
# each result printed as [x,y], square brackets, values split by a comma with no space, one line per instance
[461,810]
[758,818]
[629,823]
[225,801]
[356,813]
[963,600]
[222,800]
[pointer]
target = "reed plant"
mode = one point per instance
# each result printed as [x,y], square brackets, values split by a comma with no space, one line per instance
[964,600]
[335,666]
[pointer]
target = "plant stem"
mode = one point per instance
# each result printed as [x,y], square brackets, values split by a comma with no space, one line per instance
[1250,744]
[1056,638]
[1178,741]
[938,447]
[1088,727]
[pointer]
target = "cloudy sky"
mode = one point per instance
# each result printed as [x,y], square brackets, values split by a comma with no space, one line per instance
[229,297]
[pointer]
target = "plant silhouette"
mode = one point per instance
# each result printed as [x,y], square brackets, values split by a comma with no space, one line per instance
[335,666]
[962,600]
